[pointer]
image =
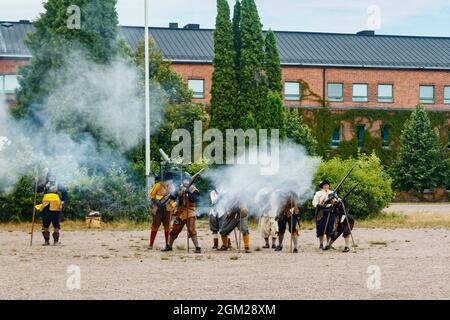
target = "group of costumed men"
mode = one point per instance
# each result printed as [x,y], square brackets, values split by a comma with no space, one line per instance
[168,201]
[228,215]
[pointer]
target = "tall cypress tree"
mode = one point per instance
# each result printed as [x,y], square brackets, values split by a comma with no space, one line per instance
[224,90]
[53,40]
[253,82]
[277,118]
[237,36]
[272,63]
[422,163]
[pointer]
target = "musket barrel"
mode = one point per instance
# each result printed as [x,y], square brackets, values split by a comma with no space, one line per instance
[164,155]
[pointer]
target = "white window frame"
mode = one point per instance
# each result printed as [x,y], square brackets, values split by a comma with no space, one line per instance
[197,94]
[447,99]
[360,98]
[3,83]
[427,100]
[335,98]
[292,96]
[385,99]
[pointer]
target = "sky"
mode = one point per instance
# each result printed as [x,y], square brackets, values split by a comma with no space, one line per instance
[402,17]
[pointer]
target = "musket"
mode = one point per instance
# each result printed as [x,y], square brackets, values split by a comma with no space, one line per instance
[194,177]
[351,190]
[348,223]
[339,186]
[164,155]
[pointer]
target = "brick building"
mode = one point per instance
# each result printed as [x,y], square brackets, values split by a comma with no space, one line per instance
[362,71]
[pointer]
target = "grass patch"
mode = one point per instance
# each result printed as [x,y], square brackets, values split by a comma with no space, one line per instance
[397,220]
[234,258]
[383,220]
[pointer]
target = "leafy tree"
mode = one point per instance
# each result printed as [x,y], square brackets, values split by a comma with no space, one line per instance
[298,132]
[52,41]
[224,89]
[178,110]
[237,37]
[277,117]
[253,79]
[277,113]
[422,162]
[272,63]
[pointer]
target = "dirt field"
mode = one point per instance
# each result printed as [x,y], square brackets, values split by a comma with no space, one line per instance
[414,263]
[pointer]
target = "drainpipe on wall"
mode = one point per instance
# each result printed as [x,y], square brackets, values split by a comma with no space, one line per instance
[324,73]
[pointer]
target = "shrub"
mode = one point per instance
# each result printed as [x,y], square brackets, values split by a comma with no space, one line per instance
[374,191]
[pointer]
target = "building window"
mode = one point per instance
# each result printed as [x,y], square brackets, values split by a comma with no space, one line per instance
[198,88]
[360,92]
[336,137]
[292,91]
[335,92]
[385,93]
[426,94]
[385,134]
[447,94]
[360,132]
[8,83]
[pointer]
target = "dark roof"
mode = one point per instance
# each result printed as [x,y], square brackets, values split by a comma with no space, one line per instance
[296,48]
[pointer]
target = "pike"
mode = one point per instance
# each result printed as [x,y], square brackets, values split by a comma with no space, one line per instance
[36,179]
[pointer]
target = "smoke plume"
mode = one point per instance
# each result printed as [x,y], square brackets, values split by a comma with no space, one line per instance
[246,183]
[92,116]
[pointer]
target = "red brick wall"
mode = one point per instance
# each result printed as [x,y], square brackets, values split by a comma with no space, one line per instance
[10,66]
[197,71]
[406,84]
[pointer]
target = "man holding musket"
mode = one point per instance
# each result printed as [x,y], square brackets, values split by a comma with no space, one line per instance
[324,212]
[187,199]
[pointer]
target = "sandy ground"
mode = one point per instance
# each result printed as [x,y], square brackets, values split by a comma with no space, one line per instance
[117,265]
[412,208]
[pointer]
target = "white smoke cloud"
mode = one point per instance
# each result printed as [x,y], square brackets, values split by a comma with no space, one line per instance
[105,99]
[246,183]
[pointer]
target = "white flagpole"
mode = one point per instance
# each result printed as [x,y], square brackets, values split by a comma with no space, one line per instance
[147,103]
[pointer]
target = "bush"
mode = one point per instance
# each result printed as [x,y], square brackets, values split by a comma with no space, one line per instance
[17,205]
[374,191]
[113,195]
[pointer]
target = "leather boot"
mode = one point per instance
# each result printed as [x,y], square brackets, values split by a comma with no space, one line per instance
[224,246]
[247,243]
[56,237]
[216,244]
[46,235]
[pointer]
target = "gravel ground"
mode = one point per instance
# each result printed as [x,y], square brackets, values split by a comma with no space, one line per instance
[117,265]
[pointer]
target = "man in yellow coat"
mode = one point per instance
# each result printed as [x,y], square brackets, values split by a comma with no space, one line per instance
[162,207]
[55,195]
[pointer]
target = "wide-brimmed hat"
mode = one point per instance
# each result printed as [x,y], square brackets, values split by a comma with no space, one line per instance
[324,182]
[187,176]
